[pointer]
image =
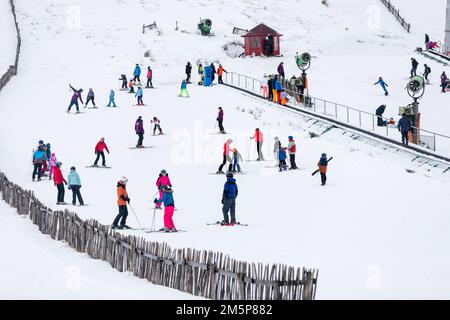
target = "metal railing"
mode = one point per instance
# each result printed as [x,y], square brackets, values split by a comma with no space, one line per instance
[341,114]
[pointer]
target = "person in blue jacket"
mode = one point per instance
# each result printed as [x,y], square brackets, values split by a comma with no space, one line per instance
[279,88]
[111,99]
[74,183]
[383,85]
[139,95]
[183,88]
[137,73]
[282,158]
[169,208]
[404,126]
[230,192]
[38,160]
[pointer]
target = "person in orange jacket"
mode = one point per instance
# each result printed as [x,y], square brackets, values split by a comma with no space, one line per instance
[122,200]
[258,136]
[220,72]
[101,145]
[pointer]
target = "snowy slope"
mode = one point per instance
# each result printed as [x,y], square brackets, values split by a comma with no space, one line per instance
[7,37]
[372,221]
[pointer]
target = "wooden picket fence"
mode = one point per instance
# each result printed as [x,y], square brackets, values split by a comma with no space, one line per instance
[12,70]
[202,273]
[396,13]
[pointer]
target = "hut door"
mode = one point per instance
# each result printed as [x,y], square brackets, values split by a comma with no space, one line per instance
[268,46]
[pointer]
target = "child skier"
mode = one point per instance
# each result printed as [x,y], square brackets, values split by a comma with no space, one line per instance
[184,89]
[131,85]
[157,125]
[149,78]
[111,99]
[139,128]
[169,208]
[74,101]
[323,164]
[236,158]
[59,181]
[137,74]
[139,95]
[383,85]
[282,158]
[52,162]
[90,97]
[99,151]
[230,192]
[122,200]
[75,185]
[163,180]
[124,81]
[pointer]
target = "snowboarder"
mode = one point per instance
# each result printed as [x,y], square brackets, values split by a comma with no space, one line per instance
[276,148]
[139,128]
[414,65]
[99,151]
[323,164]
[156,125]
[379,112]
[111,99]
[74,101]
[404,126]
[200,74]
[59,181]
[213,72]
[149,78]
[169,208]
[280,70]
[131,85]
[75,185]
[90,97]
[38,159]
[52,163]
[226,157]
[426,72]
[230,192]
[124,81]
[258,136]
[188,71]
[220,72]
[444,82]
[137,74]
[292,149]
[237,157]
[122,200]
[282,158]
[139,94]
[184,89]
[220,120]
[383,85]
[162,181]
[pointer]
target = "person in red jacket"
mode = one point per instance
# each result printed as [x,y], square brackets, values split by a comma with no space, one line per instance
[226,157]
[99,151]
[258,136]
[149,78]
[59,181]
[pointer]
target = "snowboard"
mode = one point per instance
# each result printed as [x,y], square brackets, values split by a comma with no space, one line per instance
[100,167]
[218,223]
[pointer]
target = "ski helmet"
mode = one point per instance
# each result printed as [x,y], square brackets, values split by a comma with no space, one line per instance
[324,155]
[72,168]
[123,180]
[290,137]
[58,164]
[229,174]
[163,171]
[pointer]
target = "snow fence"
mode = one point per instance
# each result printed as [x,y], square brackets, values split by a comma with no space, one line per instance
[202,273]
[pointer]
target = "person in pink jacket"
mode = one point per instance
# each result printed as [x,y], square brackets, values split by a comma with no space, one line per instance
[52,162]
[163,180]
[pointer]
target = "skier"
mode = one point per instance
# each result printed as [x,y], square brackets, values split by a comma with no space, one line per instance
[137,74]
[276,148]
[139,128]
[184,89]
[122,200]
[75,185]
[162,181]
[38,159]
[52,162]
[200,74]
[280,70]
[188,71]
[258,136]
[139,95]
[169,208]
[131,85]
[149,78]
[383,85]
[292,149]
[90,97]
[74,101]
[323,164]
[111,99]
[236,158]
[226,157]
[426,72]
[444,82]
[213,72]
[282,157]
[157,125]
[124,81]
[220,120]
[99,151]
[404,126]
[59,181]
[48,155]
[230,192]
[220,72]
[379,112]
[414,64]
[278,88]
[44,162]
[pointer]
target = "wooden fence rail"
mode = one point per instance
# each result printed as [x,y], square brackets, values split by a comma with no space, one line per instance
[396,13]
[202,273]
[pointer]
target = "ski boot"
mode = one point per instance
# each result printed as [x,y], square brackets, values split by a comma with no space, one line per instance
[115,226]
[220,172]
[125,227]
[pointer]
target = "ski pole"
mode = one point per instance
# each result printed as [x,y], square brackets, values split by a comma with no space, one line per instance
[248,150]
[153,220]
[140,226]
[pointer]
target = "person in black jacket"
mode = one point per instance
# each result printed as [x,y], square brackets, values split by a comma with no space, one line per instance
[124,81]
[269,84]
[213,72]
[414,64]
[379,112]
[426,72]
[188,72]
[404,126]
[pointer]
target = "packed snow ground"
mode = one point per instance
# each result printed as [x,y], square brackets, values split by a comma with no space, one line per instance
[8,38]
[371,231]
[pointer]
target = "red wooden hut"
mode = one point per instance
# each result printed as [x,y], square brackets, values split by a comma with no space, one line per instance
[262,40]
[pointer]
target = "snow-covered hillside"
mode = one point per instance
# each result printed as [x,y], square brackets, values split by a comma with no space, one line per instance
[369,231]
[7,37]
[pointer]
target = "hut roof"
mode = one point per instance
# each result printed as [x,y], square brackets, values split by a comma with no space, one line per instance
[262,30]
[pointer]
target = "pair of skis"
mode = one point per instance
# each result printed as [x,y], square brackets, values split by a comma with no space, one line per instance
[319,169]
[220,224]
